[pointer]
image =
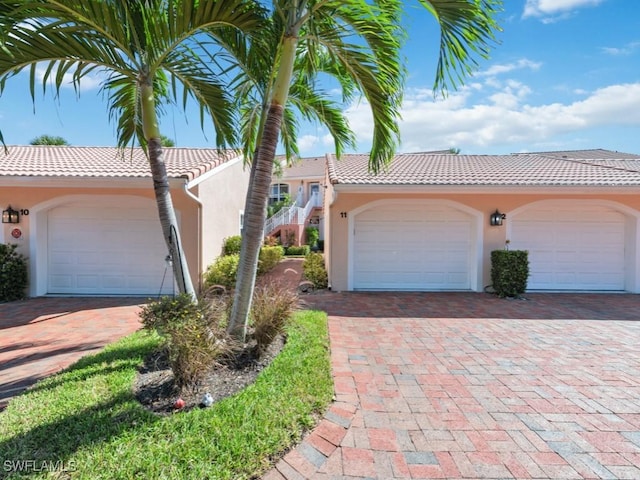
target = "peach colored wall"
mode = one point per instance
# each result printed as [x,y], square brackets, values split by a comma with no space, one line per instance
[26,197]
[223,197]
[336,248]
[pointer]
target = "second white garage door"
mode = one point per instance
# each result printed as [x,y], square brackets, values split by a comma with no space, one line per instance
[572,247]
[412,247]
[106,250]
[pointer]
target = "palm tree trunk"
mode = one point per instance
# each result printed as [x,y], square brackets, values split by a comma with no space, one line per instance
[255,212]
[168,219]
[166,212]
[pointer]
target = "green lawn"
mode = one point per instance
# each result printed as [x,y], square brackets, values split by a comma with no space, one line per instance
[87,420]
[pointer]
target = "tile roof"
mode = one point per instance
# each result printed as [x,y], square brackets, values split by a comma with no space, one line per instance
[65,161]
[596,153]
[306,168]
[487,170]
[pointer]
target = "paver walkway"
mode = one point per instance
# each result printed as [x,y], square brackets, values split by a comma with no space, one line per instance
[462,385]
[428,385]
[42,336]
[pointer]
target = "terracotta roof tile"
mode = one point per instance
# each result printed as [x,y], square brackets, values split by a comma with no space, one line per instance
[596,153]
[503,170]
[305,168]
[63,161]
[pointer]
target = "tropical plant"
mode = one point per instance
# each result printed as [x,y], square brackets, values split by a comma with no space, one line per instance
[48,140]
[358,43]
[314,270]
[147,54]
[13,273]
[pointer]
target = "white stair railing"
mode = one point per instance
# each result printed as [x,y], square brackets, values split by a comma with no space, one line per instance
[292,215]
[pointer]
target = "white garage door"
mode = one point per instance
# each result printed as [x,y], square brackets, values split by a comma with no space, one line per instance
[399,247]
[106,250]
[572,248]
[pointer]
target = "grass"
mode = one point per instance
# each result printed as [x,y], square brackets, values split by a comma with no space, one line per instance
[87,420]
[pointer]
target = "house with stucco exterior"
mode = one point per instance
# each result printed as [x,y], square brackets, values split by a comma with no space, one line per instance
[301,183]
[87,221]
[430,221]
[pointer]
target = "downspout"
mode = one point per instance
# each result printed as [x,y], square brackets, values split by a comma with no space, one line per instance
[189,194]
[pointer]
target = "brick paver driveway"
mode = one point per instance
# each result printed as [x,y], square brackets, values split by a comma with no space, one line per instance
[472,386]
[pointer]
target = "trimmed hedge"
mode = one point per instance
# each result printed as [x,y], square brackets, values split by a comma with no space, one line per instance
[509,272]
[314,270]
[301,250]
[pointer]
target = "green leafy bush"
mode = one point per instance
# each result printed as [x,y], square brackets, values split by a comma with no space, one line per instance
[269,258]
[232,245]
[509,272]
[314,270]
[193,335]
[13,273]
[294,250]
[271,310]
[312,234]
[223,271]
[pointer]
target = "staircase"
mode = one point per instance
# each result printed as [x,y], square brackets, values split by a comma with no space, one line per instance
[293,217]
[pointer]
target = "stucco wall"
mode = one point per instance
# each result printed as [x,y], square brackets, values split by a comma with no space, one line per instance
[223,196]
[38,198]
[492,237]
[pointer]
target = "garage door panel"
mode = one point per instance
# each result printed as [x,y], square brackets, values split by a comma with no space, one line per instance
[95,250]
[412,248]
[572,248]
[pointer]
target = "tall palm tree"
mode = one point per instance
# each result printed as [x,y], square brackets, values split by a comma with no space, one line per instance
[364,39]
[148,53]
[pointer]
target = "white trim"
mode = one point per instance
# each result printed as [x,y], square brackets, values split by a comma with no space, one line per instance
[475,275]
[632,231]
[214,171]
[38,248]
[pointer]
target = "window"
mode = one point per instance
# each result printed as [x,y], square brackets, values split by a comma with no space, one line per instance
[278,193]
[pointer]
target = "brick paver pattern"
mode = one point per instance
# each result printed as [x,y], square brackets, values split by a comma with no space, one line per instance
[41,336]
[478,398]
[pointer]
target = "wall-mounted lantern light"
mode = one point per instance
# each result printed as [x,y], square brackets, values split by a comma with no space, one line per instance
[496,218]
[10,215]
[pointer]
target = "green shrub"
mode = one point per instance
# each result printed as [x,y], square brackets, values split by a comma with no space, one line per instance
[314,270]
[193,335]
[294,250]
[509,272]
[269,258]
[312,234]
[271,310]
[232,245]
[13,273]
[223,271]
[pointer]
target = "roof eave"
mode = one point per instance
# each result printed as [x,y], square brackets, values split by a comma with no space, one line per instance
[83,182]
[502,189]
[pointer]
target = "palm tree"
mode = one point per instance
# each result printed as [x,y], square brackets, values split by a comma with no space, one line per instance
[48,140]
[363,39]
[148,53]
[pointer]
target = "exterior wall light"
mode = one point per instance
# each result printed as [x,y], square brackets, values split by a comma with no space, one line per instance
[10,215]
[496,218]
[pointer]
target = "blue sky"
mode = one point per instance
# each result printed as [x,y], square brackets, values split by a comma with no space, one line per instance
[565,75]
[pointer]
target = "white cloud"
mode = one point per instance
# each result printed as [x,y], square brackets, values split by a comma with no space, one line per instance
[88,83]
[628,49]
[545,8]
[503,119]
[523,63]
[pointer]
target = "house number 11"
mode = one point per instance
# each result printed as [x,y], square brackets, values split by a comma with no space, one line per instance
[343,214]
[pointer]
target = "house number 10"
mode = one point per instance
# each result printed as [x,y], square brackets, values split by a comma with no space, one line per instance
[24,211]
